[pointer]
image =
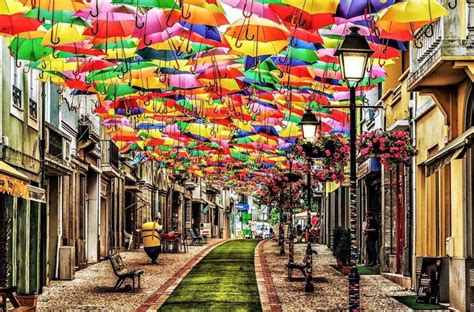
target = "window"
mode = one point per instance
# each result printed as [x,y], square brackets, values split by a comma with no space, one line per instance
[34,94]
[17,86]
[244,200]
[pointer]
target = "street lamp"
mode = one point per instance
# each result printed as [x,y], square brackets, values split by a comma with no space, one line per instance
[353,54]
[309,124]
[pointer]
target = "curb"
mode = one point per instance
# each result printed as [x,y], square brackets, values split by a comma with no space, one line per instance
[268,295]
[155,301]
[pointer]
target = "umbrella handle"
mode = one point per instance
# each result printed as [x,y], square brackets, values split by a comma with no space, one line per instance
[247,35]
[188,14]
[244,9]
[17,63]
[91,13]
[453,6]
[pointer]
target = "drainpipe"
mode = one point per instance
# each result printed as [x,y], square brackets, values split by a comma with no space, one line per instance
[60,227]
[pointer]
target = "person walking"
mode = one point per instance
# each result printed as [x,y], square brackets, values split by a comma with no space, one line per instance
[372,235]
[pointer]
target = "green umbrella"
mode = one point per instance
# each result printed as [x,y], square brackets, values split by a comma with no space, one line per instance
[29,49]
[240,156]
[67,17]
[162,4]
[304,55]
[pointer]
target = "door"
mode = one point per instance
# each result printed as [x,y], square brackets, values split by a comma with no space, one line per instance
[53,203]
[104,225]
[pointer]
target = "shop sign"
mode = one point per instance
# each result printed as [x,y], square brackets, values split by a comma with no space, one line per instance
[37,194]
[368,166]
[242,206]
[428,282]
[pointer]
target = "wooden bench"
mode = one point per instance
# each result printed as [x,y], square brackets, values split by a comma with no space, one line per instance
[9,293]
[122,273]
[297,266]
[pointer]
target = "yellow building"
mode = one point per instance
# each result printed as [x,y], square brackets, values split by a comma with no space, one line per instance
[441,74]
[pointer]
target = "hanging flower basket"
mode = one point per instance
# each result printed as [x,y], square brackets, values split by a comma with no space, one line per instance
[392,147]
[332,152]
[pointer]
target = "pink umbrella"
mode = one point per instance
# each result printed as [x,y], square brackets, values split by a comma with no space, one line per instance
[104,9]
[157,37]
[250,7]
[155,21]
[343,29]
[184,81]
[116,122]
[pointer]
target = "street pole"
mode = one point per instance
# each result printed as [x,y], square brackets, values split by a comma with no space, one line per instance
[354,293]
[309,287]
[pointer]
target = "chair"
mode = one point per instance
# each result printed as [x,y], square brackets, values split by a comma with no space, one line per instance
[184,243]
[9,292]
[195,240]
[122,273]
[198,234]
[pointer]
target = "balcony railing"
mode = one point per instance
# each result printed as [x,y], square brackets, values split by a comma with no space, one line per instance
[110,154]
[55,143]
[428,40]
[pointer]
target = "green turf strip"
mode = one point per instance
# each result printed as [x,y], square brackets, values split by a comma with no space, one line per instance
[362,269]
[224,280]
[410,301]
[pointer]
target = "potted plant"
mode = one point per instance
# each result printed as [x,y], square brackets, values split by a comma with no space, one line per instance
[344,250]
[337,233]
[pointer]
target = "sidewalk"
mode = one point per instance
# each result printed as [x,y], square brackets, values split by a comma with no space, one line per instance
[331,287]
[92,287]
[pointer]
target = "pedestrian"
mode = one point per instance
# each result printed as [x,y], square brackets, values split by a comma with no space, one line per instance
[372,235]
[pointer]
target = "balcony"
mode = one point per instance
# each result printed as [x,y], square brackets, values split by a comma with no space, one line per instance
[58,152]
[438,47]
[110,158]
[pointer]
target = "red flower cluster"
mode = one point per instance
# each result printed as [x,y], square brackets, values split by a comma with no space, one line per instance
[392,147]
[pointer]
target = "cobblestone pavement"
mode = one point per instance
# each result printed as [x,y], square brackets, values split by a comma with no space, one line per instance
[92,289]
[330,285]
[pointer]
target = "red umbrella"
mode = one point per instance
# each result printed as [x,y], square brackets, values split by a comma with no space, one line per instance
[17,23]
[305,20]
[94,65]
[110,28]
[302,34]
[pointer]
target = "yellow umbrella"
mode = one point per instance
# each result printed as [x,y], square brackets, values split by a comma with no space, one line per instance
[57,5]
[10,7]
[63,33]
[314,6]
[257,36]
[149,83]
[413,11]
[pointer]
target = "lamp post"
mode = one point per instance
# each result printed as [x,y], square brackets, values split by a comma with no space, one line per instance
[353,54]
[308,124]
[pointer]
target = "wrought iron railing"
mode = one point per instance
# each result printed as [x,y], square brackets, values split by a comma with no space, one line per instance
[16,97]
[55,143]
[110,153]
[33,109]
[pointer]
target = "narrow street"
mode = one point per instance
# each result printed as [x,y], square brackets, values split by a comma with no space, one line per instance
[236,155]
[223,280]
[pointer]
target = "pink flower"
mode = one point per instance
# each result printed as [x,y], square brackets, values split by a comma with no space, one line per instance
[364,151]
[327,152]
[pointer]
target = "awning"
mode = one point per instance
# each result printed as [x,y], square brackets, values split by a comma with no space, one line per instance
[454,150]
[13,182]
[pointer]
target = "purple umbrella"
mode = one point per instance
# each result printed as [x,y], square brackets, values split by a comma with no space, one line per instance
[352,8]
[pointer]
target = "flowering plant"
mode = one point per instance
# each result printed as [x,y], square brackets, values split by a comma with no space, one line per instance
[332,149]
[392,147]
